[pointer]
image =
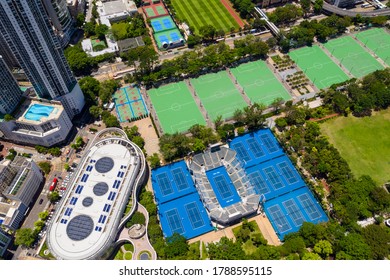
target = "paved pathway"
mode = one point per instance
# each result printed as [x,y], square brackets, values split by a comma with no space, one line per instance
[199,103]
[239,87]
[261,220]
[141,244]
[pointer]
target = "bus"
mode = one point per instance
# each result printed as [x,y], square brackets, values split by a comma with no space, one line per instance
[53,184]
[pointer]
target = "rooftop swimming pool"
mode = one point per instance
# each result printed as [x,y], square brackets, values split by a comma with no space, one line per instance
[37,111]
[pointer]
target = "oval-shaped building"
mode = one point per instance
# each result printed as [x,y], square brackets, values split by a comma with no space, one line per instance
[87,221]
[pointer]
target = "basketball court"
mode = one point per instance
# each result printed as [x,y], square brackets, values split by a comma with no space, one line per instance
[129,104]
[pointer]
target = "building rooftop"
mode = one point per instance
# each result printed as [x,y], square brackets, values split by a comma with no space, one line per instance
[86,222]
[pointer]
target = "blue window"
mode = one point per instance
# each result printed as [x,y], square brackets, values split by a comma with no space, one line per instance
[73,200]
[106,207]
[79,189]
[68,211]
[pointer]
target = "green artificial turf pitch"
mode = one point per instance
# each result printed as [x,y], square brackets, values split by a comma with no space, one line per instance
[259,83]
[175,107]
[198,13]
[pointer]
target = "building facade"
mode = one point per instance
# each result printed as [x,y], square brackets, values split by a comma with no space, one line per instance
[7,55]
[10,93]
[38,122]
[26,28]
[23,179]
[5,240]
[61,19]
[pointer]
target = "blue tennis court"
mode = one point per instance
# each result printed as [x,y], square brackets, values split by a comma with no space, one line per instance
[256,147]
[275,177]
[171,181]
[163,38]
[288,212]
[185,215]
[174,36]
[167,23]
[162,24]
[223,186]
[157,26]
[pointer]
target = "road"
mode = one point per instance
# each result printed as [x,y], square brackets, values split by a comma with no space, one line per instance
[89,11]
[338,11]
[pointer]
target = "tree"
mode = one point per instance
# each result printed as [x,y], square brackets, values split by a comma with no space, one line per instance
[378,238]
[39,225]
[177,246]
[45,166]
[305,5]
[25,237]
[43,215]
[136,218]
[89,29]
[53,196]
[379,20]
[207,32]
[66,167]
[107,89]
[154,161]
[110,120]
[317,6]
[311,256]
[225,249]
[193,40]
[323,248]
[355,247]
[95,111]
[80,63]
[80,19]
[253,116]
[90,88]
[218,122]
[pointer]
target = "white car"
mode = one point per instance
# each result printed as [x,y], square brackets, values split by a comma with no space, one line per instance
[387,222]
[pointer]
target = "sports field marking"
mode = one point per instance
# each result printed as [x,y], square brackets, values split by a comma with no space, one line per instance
[174,221]
[259,83]
[175,107]
[378,41]
[294,212]
[218,94]
[279,219]
[194,215]
[318,67]
[198,13]
[353,56]
[309,206]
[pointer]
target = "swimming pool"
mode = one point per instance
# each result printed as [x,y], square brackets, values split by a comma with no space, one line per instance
[37,111]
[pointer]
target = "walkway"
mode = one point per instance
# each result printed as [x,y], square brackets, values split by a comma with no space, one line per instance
[261,220]
[141,244]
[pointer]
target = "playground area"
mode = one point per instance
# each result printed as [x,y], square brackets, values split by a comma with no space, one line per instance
[378,41]
[318,67]
[259,83]
[175,107]
[218,95]
[353,56]
[129,104]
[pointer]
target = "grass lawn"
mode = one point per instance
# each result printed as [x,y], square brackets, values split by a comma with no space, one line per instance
[363,142]
[198,13]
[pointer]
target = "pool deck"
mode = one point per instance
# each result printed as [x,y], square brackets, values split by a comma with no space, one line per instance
[28,103]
